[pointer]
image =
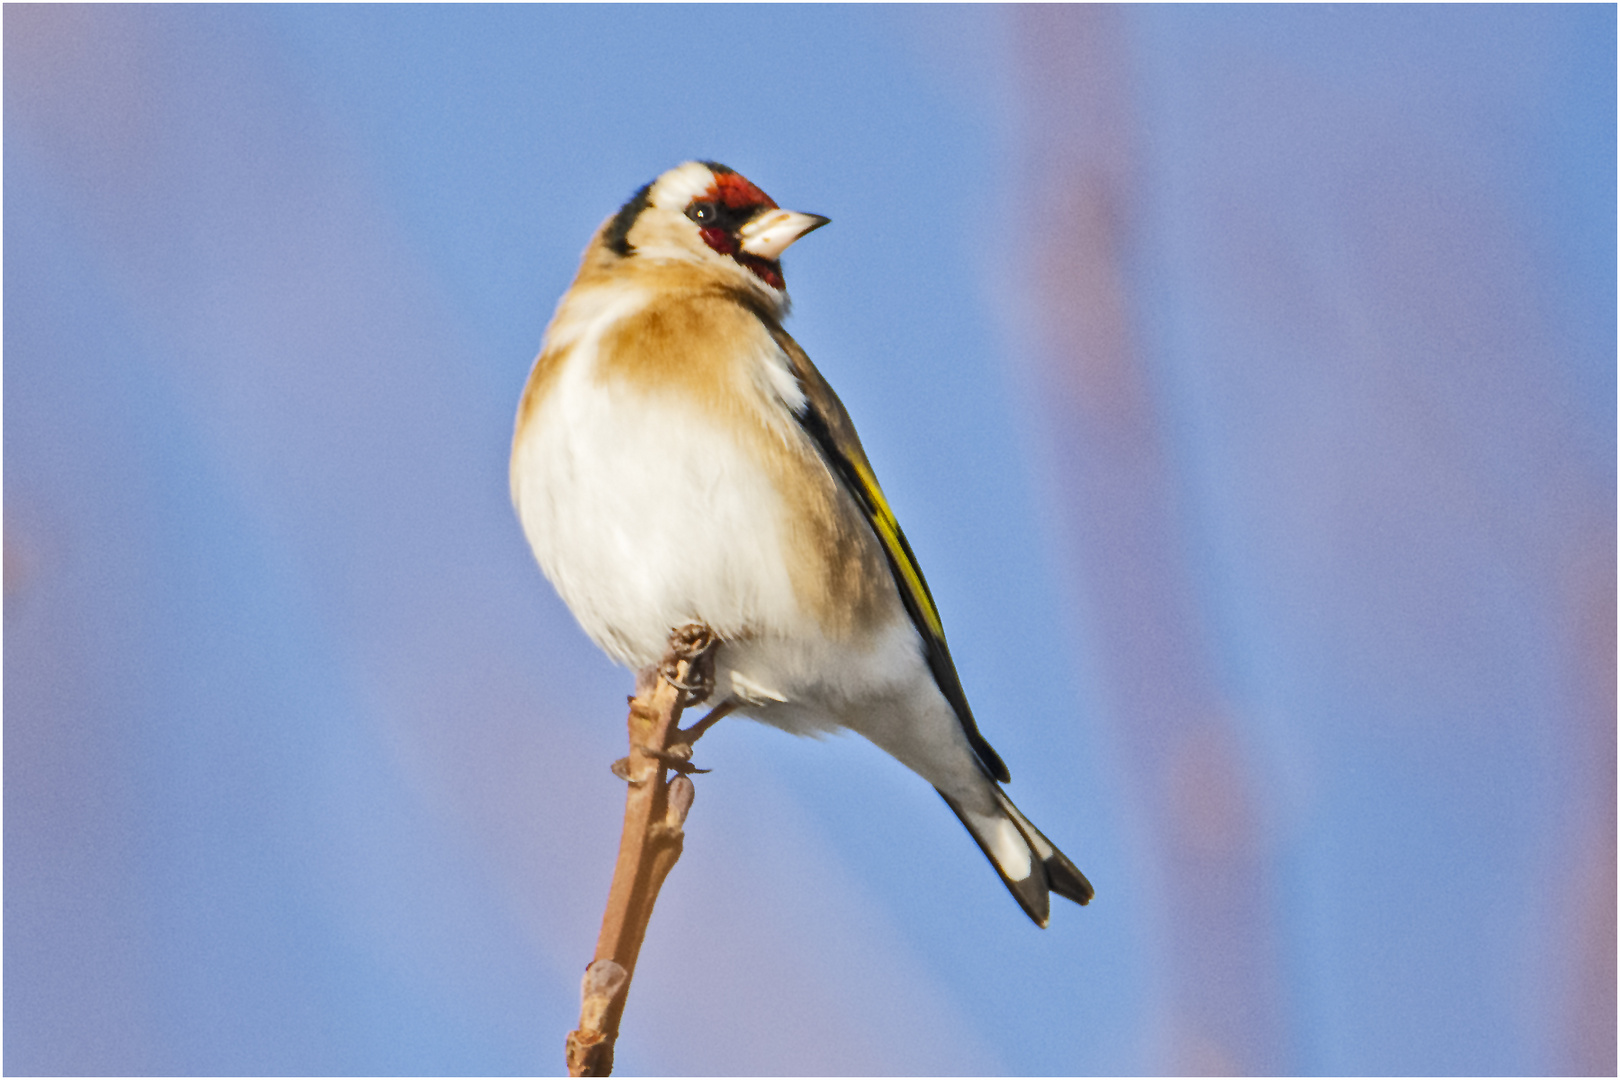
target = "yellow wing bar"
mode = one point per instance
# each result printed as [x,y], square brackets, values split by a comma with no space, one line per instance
[888,531]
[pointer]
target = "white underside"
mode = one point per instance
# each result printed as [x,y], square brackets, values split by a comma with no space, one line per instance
[646,518]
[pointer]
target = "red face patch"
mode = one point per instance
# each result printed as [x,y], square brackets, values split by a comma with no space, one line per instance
[736,200]
[719,240]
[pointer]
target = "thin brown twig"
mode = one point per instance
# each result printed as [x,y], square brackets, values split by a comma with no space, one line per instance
[654,813]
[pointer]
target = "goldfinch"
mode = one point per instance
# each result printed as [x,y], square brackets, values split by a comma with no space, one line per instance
[678,459]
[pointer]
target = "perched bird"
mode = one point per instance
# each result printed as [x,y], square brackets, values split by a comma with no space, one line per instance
[678,459]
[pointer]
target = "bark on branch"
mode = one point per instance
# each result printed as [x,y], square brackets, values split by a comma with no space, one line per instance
[654,813]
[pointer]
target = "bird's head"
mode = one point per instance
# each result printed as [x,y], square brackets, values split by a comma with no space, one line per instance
[702,211]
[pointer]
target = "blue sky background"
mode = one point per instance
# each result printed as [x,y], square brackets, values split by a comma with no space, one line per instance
[306,766]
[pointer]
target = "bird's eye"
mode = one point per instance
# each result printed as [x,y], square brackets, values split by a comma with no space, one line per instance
[704,213]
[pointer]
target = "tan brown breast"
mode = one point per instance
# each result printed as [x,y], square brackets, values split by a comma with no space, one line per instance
[695,339]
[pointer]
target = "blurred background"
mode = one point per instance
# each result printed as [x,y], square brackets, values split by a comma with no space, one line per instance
[1244,378]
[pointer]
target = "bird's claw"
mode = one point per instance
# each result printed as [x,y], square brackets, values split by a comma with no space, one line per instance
[694,644]
[678,758]
[699,689]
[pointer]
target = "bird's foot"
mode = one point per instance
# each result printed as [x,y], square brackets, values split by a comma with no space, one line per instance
[678,758]
[689,668]
[694,645]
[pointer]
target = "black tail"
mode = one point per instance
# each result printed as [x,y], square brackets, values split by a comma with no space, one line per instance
[1029,864]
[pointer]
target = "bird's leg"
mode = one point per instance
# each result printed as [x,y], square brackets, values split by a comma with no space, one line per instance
[695,644]
[690,735]
[678,755]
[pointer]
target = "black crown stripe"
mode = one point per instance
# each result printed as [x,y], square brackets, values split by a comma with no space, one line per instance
[618,231]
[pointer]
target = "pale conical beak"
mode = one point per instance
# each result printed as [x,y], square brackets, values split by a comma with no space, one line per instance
[767,235]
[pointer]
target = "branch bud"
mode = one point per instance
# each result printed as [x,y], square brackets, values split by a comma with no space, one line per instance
[603,981]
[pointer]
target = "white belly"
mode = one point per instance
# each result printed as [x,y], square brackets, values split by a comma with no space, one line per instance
[646,516]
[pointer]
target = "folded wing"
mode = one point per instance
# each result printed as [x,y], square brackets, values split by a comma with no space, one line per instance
[824,419]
